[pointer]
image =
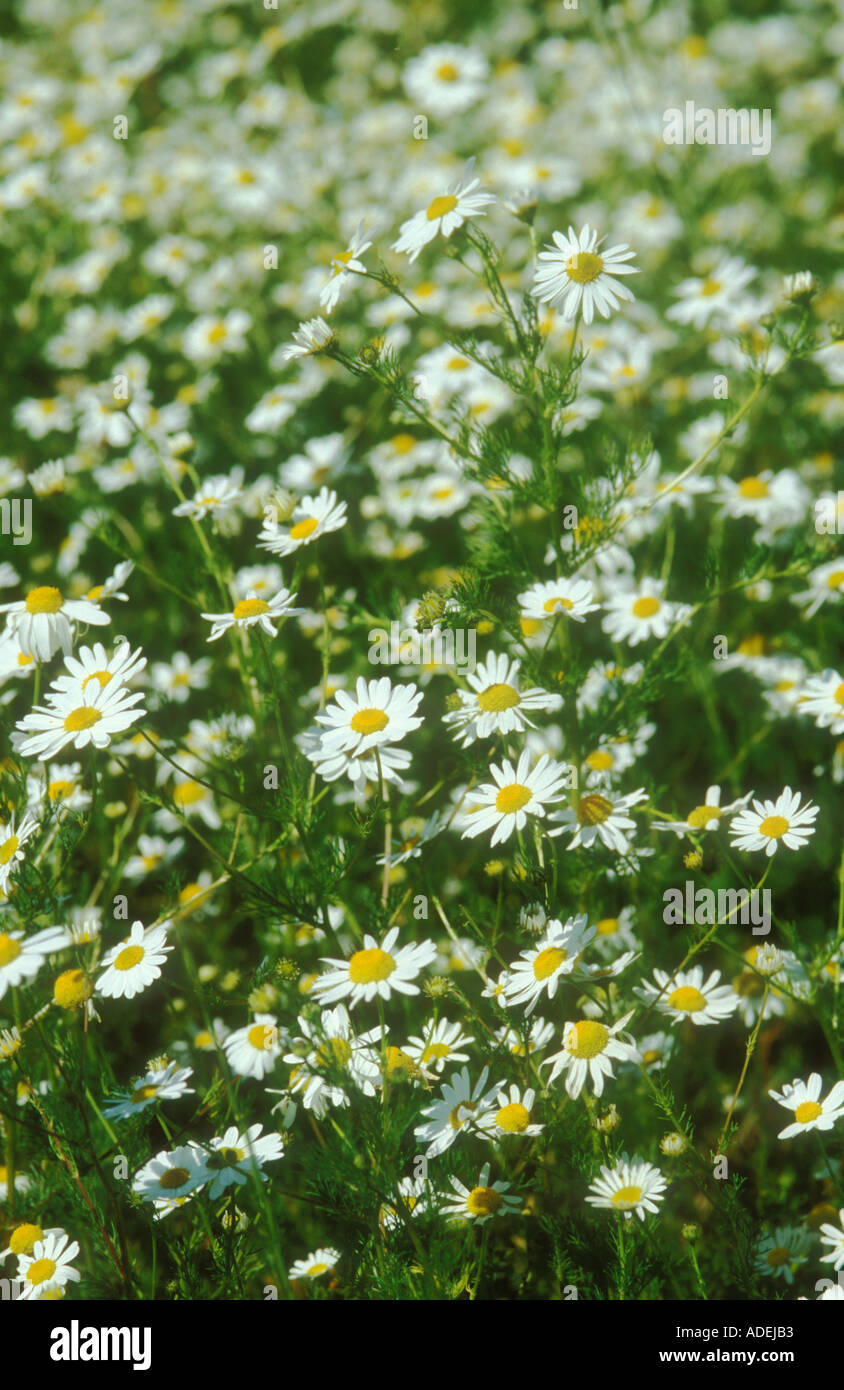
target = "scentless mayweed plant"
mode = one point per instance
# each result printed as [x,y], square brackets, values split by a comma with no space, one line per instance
[422,670]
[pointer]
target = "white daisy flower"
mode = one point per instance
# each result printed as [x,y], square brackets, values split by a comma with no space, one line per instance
[375,971]
[497,705]
[826,585]
[686,996]
[833,1236]
[715,293]
[251,610]
[79,717]
[159,1083]
[570,597]
[440,1045]
[634,615]
[413,1195]
[482,1202]
[234,1156]
[213,496]
[773,821]
[576,275]
[23,1238]
[823,697]
[512,1116]
[459,1109]
[631,1186]
[319,1262]
[444,214]
[45,620]
[12,841]
[504,804]
[778,1253]
[541,969]
[378,713]
[588,1049]
[22,957]
[363,772]
[49,1266]
[705,817]
[445,78]
[599,816]
[343,267]
[803,1099]
[172,1175]
[537,1039]
[252,1051]
[92,666]
[312,517]
[134,964]
[309,338]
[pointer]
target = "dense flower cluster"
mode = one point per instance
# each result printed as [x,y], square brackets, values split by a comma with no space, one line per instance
[469,509]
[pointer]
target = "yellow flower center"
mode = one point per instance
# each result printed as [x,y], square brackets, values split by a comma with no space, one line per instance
[807,1111]
[498,697]
[646,607]
[552,604]
[83,717]
[316,1269]
[483,1201]
[174,1177]
[838,694]
[753,487]
[513,1118]
[404,443]
[250,608]
[447,72]
[22,1240]
[702,814]
[261,1036]
[530,626]
[652,1055]
[513,798]
[458,364]
[584,267]
[587,1038]
[435,1052]
[10,949]
[593,809]
[779,1256]
[59,790]
[687,1000]
[8,848]
[217,333]
[44,600]
[607,926]
[369,721]
[304,528]
[366,967]
[600,761]
[774,826]
[548,961]
[142,1094]
[710,287]
[101,677]
[626,1197]
[129,957]
[40,1271]
[835,580]
[187,793]
[440,206]
[72,988]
